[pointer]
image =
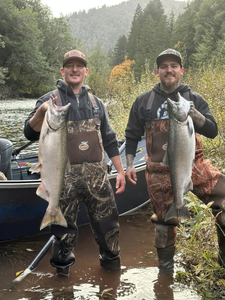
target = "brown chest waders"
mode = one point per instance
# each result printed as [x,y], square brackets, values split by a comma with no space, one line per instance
[87,184]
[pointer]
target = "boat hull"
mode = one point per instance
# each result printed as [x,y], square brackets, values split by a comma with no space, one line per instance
[21,210]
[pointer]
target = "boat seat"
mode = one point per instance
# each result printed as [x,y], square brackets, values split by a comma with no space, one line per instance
[5,157]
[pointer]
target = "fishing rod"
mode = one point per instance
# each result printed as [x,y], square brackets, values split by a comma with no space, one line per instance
[17,151]
[34,263]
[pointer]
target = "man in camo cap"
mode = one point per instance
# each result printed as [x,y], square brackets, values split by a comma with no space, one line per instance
[89,136]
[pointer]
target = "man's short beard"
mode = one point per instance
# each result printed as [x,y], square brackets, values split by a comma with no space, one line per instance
[169,88]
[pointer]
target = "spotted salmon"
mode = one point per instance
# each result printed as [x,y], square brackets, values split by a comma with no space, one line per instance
[180,155]
[53,162]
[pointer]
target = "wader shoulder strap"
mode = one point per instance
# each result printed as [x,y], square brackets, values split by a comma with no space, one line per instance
[95,108]
[94,104]
[150,100]
[186,95]
[57,94]
[148,109]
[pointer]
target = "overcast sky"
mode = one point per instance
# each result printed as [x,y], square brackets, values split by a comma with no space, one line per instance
[70,6]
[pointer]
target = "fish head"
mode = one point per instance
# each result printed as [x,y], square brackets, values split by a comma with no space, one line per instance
[57,115]
[178,110]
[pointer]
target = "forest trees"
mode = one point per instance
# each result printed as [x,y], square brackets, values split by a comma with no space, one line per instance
[34,44]
[198,33]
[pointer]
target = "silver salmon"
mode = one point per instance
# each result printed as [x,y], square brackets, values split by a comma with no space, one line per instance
[53,162]
[180,155]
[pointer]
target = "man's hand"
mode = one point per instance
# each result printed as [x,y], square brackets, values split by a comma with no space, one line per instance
[131,175]
[120,183]
[37,119]
[120,178]
[196,116]
[130,171]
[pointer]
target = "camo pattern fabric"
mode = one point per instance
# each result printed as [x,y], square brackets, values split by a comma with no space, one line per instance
[88,184]
[204,175]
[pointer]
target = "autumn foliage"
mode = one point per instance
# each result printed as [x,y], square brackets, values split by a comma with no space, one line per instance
[121,71]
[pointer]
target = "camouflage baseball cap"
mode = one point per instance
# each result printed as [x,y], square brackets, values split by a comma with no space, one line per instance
[169,53]
[74,54]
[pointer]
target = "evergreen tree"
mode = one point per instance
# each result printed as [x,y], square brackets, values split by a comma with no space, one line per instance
[184,32]
[99,72]
[153,36]
[209,34]
[120,50]
[134,34]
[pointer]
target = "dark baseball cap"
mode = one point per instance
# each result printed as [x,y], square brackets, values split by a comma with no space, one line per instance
[169,53]
[74,54]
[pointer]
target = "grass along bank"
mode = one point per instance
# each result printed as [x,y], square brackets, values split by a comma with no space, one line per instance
[197,251]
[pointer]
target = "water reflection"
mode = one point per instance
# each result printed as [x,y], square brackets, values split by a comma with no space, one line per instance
[138,279]
[13,113]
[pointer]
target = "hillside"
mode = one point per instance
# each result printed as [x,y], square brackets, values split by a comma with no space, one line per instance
[103,26]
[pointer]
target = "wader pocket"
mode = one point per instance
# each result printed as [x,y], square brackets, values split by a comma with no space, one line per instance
[159,145]
[84,147]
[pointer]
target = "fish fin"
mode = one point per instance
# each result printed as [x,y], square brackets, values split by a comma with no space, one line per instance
[68,167]
[182,213]
[189,187]
[57,219]
[165,159]
[190,128]
[35,168]
[41,192]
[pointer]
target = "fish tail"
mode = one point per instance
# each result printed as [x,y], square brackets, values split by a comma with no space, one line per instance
[56,218]
[182,213]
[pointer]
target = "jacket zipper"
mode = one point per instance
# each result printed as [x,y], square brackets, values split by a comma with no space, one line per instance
[78,101]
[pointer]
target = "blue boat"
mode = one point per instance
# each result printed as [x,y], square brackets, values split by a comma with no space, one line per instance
[21,210]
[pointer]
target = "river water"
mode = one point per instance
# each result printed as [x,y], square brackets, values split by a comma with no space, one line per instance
[13,113]
[138,278]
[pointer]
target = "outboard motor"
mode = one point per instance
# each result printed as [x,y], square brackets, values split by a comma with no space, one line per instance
[5,157]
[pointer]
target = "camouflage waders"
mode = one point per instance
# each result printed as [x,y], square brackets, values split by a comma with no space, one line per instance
[207,180]
[87,184]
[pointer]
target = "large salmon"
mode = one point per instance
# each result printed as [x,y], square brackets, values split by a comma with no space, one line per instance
[180,155]
[53,161]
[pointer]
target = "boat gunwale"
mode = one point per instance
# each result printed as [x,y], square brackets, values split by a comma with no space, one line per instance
[34,183]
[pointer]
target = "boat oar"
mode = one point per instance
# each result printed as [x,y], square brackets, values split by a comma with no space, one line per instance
[34,263]
[17,151]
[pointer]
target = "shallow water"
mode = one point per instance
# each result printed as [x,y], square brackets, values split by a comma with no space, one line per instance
[138,278]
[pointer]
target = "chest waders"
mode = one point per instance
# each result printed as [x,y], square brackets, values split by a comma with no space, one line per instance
[87,184]
[207,180]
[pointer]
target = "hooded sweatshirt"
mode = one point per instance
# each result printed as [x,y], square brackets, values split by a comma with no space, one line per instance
[138,114]
[82,109]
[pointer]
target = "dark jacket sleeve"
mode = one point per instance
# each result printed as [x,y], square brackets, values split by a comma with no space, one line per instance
[136,123]
[209,129]
[109,138]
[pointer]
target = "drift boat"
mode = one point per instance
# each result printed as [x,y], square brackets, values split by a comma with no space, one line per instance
[21,210]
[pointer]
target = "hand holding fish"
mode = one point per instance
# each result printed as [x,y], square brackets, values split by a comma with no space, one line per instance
[53,161]
[37,120]
[196,116]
